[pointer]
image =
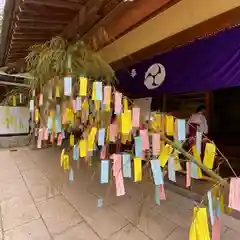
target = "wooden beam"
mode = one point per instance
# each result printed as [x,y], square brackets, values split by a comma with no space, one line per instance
[29,38]
[34,25]
[24,11]
[39,19]
[6,28]
[224,20]
[115,6]
[125,19]
[14,84]
[29,31]
[32,34]
[54,3]
[88,11]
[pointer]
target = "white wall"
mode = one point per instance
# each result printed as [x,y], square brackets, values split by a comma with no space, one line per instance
[14,120]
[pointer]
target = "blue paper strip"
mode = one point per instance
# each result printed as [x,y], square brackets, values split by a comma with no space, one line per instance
[98,91]
[71,175]
[75,153]
[157,195]
[100,202]
[102,106]
[58,110]
[67,86]
[104,171]
[199,142]
[31,107]
[218,208]
[194,170]
[138,146]
[58,124]
[63,134]
[101,137]
[171,170]
[127,173]
[210,207]
[157,172]
[50,122]
[78,104]
[181,129]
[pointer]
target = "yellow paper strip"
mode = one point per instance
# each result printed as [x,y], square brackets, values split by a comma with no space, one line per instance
[170,125]
[209,155]
[137,169]
[52,114]
[177,164]
[62,157]
[91,139]
[54,126]
[156,122]
[97,104]
[66,162]
[57,94]
[222,207]
[71,140]
[125,104]
[197,156]
[36,115]
[14,101]
[83,148]
[94,91]
[199,229]
[126,122]
[70,115]
[165,154]
[83,86]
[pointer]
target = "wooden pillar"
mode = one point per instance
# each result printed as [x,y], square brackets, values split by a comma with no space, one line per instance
[210,110]
[164,103]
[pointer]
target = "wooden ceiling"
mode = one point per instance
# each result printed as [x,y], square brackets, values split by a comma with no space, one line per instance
[36,21]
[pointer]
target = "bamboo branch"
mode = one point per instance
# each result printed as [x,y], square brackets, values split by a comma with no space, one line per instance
[208,171]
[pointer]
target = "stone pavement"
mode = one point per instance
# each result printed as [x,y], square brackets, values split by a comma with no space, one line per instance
[38,202]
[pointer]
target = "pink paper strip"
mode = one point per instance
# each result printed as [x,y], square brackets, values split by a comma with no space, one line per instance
[162,194]
[145,139]
[103,153]
[107,94]
[117,164]
[45,134]
[40,137]
[40,99]
[156,144]
[113,132]
[117,173]
[234,194]
[120,189]
[59,141]
[118,102]
[216,235]
[188,174]
[52,139]
[135,117]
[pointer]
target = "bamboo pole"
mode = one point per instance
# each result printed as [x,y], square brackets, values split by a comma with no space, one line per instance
[208,171]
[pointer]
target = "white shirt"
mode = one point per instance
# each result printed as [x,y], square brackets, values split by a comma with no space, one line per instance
[200,119]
